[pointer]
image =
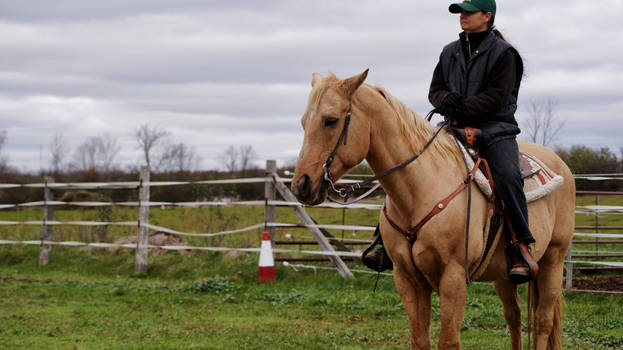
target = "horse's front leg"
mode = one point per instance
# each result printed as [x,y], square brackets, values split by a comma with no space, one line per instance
[413,288]
[415,294]
[452,294]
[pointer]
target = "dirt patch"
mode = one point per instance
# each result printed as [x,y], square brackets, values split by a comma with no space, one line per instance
[157,238]
[613,283]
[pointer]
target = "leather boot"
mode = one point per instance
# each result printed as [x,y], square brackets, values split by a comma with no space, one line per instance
[519,271]
[524,267]
[378,260]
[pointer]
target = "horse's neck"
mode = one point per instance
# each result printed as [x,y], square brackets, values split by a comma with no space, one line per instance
[413,188]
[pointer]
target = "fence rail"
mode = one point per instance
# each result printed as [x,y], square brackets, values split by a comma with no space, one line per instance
[274,185]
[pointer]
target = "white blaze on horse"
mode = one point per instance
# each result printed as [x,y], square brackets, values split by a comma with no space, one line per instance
[385,132]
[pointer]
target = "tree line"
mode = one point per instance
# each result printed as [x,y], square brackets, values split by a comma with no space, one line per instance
[159,151]
[95,159]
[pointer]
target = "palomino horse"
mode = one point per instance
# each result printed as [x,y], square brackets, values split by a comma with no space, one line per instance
[385,132]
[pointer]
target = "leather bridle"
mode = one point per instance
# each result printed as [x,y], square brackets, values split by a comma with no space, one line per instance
[345,192]
[326,167]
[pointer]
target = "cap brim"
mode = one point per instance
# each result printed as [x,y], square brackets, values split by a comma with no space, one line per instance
[457,8]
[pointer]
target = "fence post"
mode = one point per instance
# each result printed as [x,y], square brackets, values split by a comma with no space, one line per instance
[285,192]
[143,219]
[46,230]
[270,193]
[569,270]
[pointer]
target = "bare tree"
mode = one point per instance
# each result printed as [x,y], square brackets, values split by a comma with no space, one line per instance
[108,149]
[178,157]
[542,126]
[246,155]
[58,153]
[148,136]
[96,153]
[238,159]
[4,160]
[84,155]
[229,158]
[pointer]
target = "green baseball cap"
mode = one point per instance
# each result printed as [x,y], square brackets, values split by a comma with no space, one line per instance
[474,6]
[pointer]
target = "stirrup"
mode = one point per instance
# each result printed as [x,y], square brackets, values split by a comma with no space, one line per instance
[371,260]
[518,250]
[377,240]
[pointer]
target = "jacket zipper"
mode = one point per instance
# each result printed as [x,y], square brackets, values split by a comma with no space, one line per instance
[469,46]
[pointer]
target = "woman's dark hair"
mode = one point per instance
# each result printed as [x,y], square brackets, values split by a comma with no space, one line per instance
[520,68]
[497,32]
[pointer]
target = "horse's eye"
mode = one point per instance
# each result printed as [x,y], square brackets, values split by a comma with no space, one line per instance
[329,121]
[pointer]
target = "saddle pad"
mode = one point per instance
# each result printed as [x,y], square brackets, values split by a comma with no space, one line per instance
[539,180]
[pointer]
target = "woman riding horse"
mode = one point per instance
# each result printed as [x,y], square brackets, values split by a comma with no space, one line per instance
[476,84]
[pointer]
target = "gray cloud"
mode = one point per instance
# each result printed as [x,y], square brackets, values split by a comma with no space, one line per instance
[216,73]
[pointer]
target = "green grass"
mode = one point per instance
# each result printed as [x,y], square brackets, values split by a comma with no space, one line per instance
[91,299]
[589,199]
[192,220]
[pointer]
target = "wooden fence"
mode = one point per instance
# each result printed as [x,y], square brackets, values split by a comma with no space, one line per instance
[274,186]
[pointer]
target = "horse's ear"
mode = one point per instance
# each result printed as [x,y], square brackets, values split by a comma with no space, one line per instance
[315,78]
[351,84]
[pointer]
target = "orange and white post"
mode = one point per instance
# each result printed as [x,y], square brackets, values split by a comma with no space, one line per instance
[266,270]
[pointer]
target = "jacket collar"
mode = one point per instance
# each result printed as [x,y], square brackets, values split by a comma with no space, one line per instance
[477,41]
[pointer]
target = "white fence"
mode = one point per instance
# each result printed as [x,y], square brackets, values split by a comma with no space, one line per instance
[273,183]
[143,225]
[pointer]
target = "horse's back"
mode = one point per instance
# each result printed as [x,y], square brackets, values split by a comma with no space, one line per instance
[549,157]
[555,212]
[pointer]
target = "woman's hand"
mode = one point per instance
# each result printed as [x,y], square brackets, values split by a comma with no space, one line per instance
[450,103]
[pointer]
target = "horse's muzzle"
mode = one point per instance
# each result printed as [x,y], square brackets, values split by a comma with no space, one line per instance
[302,189]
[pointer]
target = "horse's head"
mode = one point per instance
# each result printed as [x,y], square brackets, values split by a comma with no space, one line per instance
[327,137]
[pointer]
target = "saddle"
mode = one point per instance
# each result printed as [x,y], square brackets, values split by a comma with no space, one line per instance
[530,166]
[539,180]
[467,135]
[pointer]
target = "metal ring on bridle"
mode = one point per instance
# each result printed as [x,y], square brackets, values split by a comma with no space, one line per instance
[327,177]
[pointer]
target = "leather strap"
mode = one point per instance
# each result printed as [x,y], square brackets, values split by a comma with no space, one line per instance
[351,189]
[410,235]
[411,232]
[343,137]
[522,250]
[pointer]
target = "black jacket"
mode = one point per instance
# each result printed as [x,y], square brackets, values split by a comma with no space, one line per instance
[489,81]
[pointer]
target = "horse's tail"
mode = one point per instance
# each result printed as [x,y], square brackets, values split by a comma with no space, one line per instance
[553,342]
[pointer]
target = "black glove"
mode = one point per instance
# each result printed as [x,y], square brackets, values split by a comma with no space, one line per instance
[450,104]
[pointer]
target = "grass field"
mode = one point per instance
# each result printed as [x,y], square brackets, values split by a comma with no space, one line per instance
[91,299]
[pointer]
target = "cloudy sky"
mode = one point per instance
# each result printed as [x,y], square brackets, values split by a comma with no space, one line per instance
[221,72]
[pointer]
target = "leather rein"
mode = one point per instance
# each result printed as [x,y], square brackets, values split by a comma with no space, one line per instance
[411,232]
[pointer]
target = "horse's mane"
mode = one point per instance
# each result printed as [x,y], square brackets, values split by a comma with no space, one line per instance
[415,127]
